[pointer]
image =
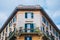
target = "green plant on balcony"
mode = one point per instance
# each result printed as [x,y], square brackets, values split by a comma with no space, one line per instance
[37,29]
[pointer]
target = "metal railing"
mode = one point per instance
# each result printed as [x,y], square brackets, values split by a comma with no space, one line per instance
[11,34]
[25,31]
[48,36]
[29,31]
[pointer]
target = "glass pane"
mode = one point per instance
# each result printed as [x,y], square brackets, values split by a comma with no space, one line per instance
[27,38]
[28,27]
[29,15]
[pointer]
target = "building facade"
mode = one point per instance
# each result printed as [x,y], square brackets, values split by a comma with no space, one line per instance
[29,23]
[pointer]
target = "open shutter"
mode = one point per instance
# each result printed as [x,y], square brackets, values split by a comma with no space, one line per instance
[31,15]
[25,38]
[25,27]
[30,38]
[25,15]
[32,27]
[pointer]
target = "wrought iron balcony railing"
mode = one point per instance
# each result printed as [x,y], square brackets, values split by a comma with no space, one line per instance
[28,32]
[50,37]
[11,34]
[23,31]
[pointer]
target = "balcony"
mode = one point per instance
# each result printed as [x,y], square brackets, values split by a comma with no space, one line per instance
[24,32]
[47,36]
[35,31]
[11,35]
[29,32]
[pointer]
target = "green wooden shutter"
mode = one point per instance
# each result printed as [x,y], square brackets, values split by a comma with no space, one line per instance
[31,15]
[25,27]
[25,15]
[32,27]
[30,38]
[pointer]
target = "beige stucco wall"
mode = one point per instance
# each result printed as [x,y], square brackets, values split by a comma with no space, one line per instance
[34,37]
[21,20]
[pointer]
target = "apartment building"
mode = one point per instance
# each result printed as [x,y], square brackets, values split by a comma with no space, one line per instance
[29,22]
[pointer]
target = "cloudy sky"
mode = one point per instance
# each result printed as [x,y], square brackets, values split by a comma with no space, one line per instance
[52,7]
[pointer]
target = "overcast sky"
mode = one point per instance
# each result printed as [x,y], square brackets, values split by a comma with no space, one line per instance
[52,7]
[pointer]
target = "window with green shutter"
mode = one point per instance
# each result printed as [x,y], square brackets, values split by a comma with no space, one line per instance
[29,26]
[28,15]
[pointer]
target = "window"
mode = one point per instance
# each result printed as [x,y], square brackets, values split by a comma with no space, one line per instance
[10,24]
[57,34]
[29,26]
[14,29]
[54,31]
[50,27]
[56,38]
[43,19]
[59,37]
[2,38]
[3,33]
[47,32]
[5,38]
[28,15]
[6,29]
[28,38]
[10,29]
[42,29]
[14,18]
[47,23]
